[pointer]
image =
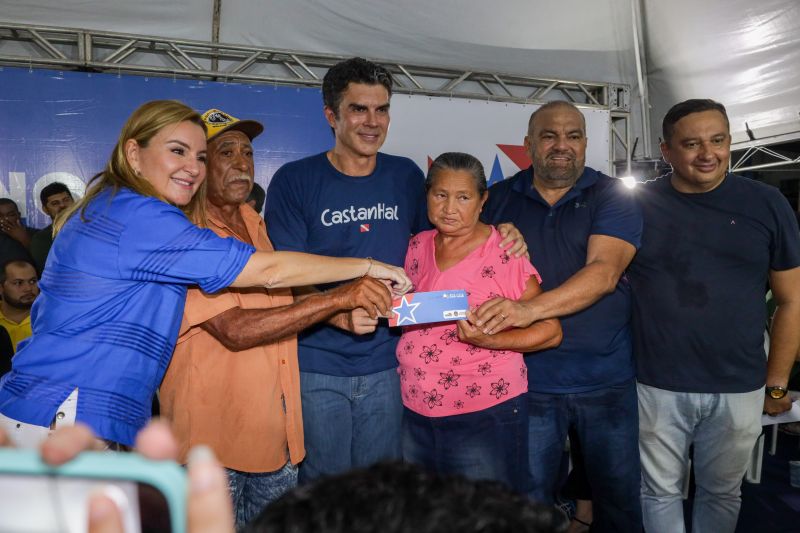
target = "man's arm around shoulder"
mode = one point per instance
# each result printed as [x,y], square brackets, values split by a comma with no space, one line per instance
[606,259]
[616,233]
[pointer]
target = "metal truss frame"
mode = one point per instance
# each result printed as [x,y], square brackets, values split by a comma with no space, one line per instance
[619,143]
[99,51]
[779,160]
[760,146]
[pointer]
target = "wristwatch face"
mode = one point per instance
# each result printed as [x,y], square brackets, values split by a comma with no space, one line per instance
[776,392]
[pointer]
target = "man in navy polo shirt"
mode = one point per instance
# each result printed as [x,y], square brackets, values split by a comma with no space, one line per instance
[584,229]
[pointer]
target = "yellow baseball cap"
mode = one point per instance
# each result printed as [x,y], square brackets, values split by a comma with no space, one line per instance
[218,121]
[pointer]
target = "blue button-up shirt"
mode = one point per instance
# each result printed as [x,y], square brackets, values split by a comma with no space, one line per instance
[107,318]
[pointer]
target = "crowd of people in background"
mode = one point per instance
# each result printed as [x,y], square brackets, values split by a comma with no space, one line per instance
[23,252]
[634,328]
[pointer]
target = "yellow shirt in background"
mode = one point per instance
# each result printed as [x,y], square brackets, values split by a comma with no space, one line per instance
[17,332]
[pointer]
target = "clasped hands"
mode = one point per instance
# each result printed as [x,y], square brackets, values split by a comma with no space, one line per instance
[492,317]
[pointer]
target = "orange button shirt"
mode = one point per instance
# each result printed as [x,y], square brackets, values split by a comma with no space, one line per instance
[245,405]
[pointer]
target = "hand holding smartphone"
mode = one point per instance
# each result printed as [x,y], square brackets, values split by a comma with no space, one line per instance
[37,497]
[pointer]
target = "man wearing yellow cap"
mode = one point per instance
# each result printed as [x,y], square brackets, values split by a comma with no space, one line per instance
[233,382]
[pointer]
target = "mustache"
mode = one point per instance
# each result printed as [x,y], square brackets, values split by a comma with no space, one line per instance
[239,177]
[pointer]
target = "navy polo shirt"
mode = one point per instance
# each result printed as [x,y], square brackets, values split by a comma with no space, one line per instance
[596,350]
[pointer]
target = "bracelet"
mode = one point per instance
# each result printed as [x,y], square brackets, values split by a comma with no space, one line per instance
[368,266]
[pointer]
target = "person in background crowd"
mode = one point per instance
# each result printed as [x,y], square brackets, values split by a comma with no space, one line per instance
[256,198]
[584,227]
[711,242]
[15,238]
[350,200]
[464,391]
[233,381]
[55,198]
[19,286]
[6,351]
[112,296]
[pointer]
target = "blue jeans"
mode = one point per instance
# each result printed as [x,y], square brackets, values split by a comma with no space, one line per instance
[723,429]
[251,492]
[488,444]
[349,422]
[607,424]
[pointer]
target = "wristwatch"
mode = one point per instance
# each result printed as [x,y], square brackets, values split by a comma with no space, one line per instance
[777,392]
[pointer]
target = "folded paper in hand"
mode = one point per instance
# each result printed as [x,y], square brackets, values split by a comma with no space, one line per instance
[425,307]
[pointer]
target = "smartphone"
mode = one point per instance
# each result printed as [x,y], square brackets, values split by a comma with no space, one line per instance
[38,498]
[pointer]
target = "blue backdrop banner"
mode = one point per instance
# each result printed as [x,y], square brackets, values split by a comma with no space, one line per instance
[62,126]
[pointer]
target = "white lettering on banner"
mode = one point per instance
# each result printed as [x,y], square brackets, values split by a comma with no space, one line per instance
[353,214]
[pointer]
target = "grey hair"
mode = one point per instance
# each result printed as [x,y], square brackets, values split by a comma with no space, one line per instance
[458,161]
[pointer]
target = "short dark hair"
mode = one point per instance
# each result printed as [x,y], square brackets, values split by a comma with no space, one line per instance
[687,107]
[458,161]
[404,498]
[9,201]
[552,105]
[51,190]
[354,70]
[258,194]
[18,262]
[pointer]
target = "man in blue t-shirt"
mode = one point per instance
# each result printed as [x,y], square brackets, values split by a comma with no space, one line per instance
[350,201]
[711,242]
[583,228]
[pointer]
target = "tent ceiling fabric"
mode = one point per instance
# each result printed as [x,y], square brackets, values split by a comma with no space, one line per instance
[524,37]
[741,53]
[177,19]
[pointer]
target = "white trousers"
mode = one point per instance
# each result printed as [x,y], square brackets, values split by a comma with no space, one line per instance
[24,435]
[723,429]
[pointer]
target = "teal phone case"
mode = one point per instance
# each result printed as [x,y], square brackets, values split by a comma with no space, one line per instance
[166,476]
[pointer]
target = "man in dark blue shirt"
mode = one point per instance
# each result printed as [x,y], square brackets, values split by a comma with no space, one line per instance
[351,200]
[711,242]
[583,228]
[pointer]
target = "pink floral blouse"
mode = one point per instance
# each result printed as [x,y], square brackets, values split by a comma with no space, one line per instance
[439,374]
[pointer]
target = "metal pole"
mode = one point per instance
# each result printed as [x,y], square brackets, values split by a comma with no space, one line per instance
[215,32]
[641,74]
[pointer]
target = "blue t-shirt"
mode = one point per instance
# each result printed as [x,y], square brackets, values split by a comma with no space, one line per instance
[699,281]
[312,207]
[110,307]
[596,349]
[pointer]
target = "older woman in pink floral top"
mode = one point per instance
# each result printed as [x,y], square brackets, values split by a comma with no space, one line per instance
[463,389]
